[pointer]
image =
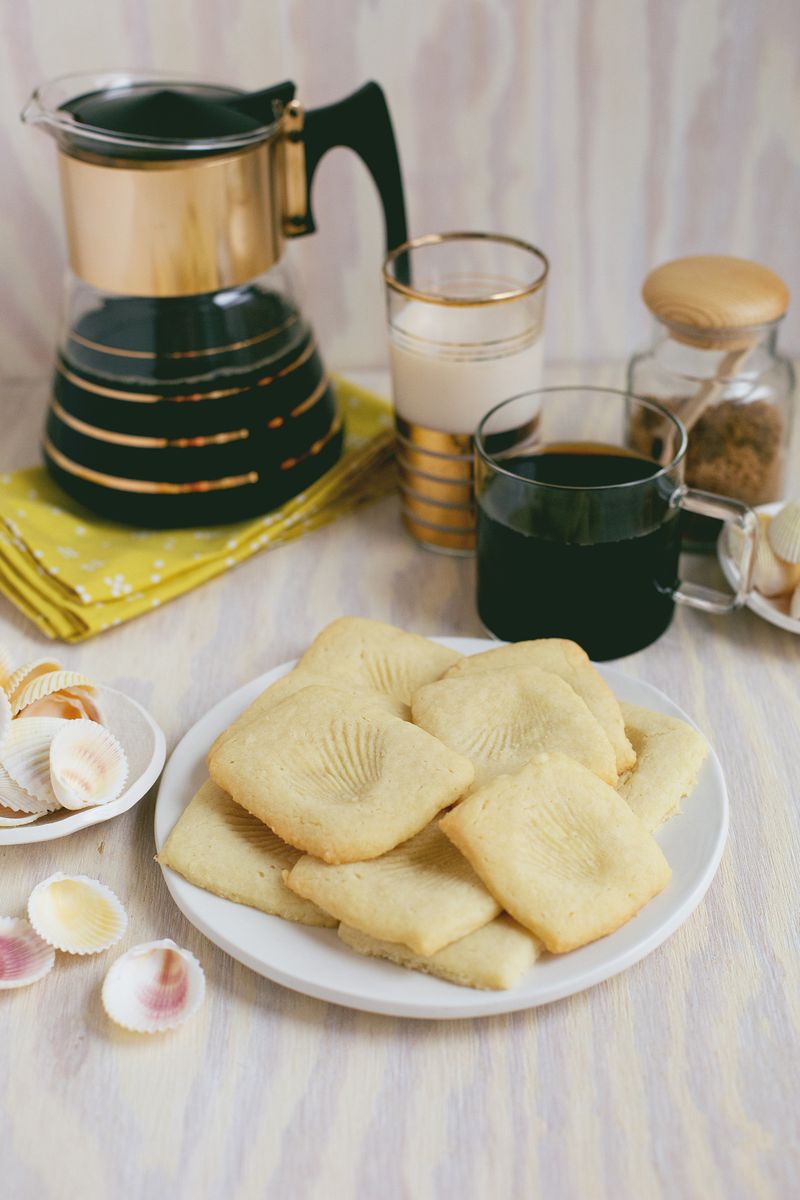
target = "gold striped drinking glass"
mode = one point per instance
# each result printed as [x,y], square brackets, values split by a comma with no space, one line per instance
[465,314]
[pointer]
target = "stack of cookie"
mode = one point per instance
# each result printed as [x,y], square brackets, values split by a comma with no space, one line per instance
[455,815]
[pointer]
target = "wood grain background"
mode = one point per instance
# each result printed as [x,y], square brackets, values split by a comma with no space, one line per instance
[677,1080]
[614,133]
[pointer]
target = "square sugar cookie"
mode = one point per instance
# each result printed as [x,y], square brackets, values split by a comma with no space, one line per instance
[571,662]
[339,776]
[500,720]
[669,754]
[218,846]
[494,957]
[423,893]
[560,850]
[369,654]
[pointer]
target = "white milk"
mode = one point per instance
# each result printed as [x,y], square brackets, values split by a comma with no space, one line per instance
[451,364]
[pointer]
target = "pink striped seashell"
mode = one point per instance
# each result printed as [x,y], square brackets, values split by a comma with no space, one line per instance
[154,987]
[24,957]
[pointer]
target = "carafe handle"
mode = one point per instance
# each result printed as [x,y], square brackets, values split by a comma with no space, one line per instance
[362,123]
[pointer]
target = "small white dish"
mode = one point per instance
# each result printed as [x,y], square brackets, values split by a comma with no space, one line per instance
[774,609]
[144,744]
[315,962]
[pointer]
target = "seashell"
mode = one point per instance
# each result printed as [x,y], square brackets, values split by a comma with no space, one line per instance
[9,818]
[87,765]
[154,987]
[29,671]
[57,694]
[735,538]
[5,717]
[26,757]
[772,576]
[15,798]
[24,957]
[794,604]
[6,668]
[76,914]
[784,532]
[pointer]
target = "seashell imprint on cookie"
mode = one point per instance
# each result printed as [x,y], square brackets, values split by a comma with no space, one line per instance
[500,719]
[506,742]
[349,757]
[337,775]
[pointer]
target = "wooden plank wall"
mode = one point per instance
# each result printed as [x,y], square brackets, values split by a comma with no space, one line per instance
[615,133]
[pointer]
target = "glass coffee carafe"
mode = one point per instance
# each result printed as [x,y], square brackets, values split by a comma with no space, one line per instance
[189,388]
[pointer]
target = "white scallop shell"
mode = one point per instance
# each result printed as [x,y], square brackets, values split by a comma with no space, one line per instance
[76,914]
[5,718]
[87,765]
[26,757]
[53,684]
[6,667]
[10,818]
[772,576]
[784,532]
[15,798]
[794,604]
[29,671]
[24,957]
[154,987]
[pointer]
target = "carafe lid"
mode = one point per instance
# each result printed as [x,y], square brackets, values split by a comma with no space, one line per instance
[154,117]
[715,300]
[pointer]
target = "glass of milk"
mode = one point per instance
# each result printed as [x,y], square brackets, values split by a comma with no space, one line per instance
[465,312]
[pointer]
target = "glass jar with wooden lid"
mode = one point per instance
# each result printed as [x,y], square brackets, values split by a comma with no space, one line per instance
[713,361]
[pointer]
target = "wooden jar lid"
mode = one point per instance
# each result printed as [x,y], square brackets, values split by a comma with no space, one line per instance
[711,296]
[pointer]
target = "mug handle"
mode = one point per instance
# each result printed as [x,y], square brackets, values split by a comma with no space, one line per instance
[705,504]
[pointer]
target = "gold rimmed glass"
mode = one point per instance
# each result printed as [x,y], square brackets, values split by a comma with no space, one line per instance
[465,314]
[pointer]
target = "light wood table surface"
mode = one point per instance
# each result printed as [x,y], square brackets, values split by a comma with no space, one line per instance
[678,1078]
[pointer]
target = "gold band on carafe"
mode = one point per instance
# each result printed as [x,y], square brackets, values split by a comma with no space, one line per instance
[177,227]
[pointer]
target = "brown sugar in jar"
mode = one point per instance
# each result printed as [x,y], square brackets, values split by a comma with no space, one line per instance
[713,362]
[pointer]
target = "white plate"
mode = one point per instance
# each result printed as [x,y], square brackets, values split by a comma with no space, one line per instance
[315,962]
[774,609]
[143,742]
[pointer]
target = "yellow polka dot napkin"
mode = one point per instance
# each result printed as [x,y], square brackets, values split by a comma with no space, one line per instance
[75,575]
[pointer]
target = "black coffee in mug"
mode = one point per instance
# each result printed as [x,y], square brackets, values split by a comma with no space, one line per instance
[579,538]
[587,573]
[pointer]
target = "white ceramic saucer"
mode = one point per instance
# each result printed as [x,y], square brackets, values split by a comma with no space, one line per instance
[143,742]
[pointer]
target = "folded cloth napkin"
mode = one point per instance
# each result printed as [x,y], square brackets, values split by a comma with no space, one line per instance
[75,575]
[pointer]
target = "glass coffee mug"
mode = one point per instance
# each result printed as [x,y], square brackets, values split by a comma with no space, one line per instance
[577,533]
